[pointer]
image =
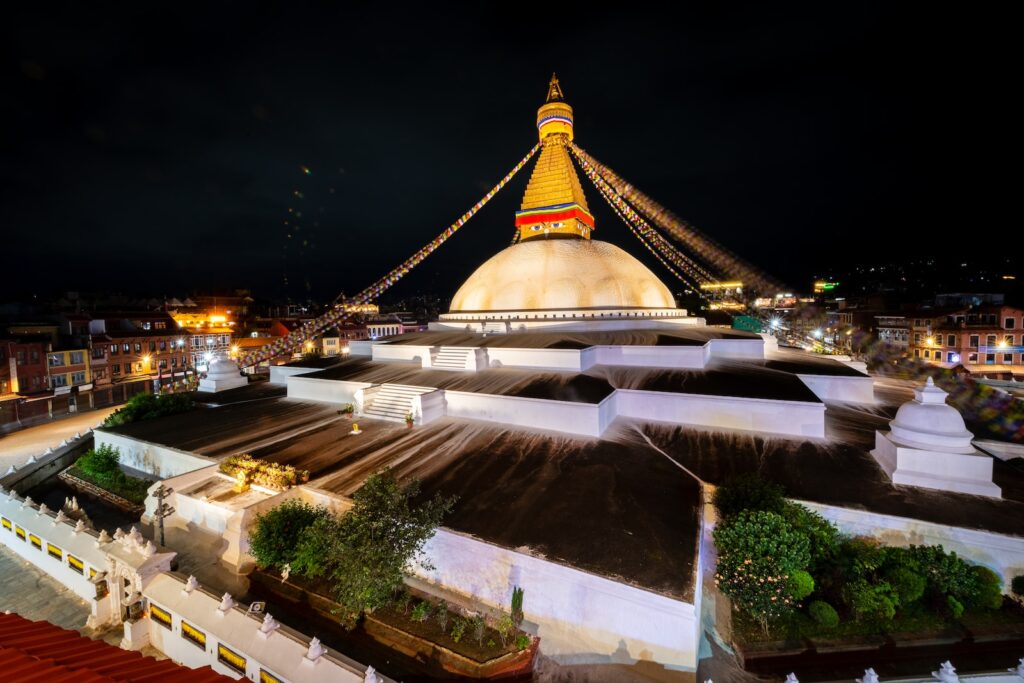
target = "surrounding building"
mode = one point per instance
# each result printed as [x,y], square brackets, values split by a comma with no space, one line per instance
[986,340]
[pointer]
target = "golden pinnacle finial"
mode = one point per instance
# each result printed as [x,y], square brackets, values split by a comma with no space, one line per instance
[555,90]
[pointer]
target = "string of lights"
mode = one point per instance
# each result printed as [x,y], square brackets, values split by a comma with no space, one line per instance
[314,328]
[685,233]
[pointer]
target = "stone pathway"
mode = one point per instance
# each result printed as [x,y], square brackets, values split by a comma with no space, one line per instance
[17,446]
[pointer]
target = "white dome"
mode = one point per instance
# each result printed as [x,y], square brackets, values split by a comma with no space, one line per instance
[561,274]
[221,367]
[927,422]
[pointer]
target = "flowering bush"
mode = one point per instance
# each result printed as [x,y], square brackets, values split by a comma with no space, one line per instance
[758,552]
[264,473]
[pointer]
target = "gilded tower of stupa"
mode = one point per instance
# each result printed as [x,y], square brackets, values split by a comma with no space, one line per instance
[554,204]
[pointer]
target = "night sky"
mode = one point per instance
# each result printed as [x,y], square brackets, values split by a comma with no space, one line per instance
[159,151]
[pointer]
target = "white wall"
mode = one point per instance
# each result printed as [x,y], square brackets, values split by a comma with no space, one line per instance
[282,653]
[793,418]
[279,374]
[556,359]
[580,617]
[737,348]
[653,356]
[846,389]
[1001,553]
[82,545]
[406,352]
[161,461]
[327,390]
[559,416]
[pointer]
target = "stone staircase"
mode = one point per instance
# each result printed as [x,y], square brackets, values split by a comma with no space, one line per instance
[454,358]
[393,401]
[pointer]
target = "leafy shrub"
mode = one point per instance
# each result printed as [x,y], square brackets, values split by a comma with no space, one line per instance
[989,588]
[479,627]
[757,553]
[276,533]
[946,573]
[748,492]
[101,461]
[459,625]
[956,608]
[313,552]
[875,601]
[801,584]
[146,406]
[101,466]
[823,536]
[505,626]
[1017,585]
[517,605]
[823,613]
[522,641]
[908,584]
[421,612]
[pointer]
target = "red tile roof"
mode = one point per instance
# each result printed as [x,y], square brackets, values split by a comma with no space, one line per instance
[39,651]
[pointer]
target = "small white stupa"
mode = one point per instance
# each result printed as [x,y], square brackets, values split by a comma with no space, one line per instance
[929,446]
[222,375]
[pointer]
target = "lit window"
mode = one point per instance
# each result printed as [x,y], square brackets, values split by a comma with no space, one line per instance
[54,551]
[193,635]
[76,564]
[19,532]
[160,616]
[35,541]
[267,677]
[230,658]
[7,523]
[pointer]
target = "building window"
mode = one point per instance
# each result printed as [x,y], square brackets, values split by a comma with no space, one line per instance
[160,326]
[163,345]
[927,353]
[7,523]
[19,532]
[127,368]
[1008,358]
[76,358]
[126,347]
[990,340]
[55,552]
[1008,339]
[76,564]
[267,677]
[36,542]
[1009,323]
[97,352]
[160,616]
[917,337]
[174,361]
[113,349]
[78,377]
[951,340]
[59,380]
[115,369]
[972,358]
[231,659]
[193,635]
[950,356]
[56,360]
[990,359]
[917,353]
[974,341]
[138,347]
[146,325]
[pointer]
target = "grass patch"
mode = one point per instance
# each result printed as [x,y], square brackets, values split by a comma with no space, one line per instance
[130,488]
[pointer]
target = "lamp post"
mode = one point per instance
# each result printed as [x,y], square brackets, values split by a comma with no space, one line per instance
[162,509]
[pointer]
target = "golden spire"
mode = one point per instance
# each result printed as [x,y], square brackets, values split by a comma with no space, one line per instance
[555,90]
[554,203]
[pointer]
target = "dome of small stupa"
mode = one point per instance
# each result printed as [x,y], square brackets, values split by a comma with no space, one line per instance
[561,274]
[928,422]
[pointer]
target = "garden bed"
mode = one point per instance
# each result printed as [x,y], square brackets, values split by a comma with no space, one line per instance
[395,628]
[115,496]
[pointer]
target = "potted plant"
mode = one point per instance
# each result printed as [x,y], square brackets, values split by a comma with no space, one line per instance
[409,420]
[347,410]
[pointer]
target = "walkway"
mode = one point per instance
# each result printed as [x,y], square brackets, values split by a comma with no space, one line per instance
[17,446]
[35,595]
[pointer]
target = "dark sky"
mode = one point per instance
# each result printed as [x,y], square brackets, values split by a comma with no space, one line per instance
[159,150]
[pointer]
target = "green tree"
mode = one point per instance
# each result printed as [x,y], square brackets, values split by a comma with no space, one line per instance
[276,535]
[748,492]
[758,552]
[378,539]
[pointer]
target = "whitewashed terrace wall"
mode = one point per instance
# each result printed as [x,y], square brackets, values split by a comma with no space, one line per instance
[794,418]
[363,347]
[737,348]
[553,359]
[61,534]
[845,389]
[1001,553]
[279,374]
[693,357]
[400,352]
[559,416]
[160,461]
[282,653]
[327,390]
[580,617]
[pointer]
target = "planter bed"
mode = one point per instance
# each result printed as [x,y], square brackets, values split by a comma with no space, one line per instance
[76,480]
[421,641]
